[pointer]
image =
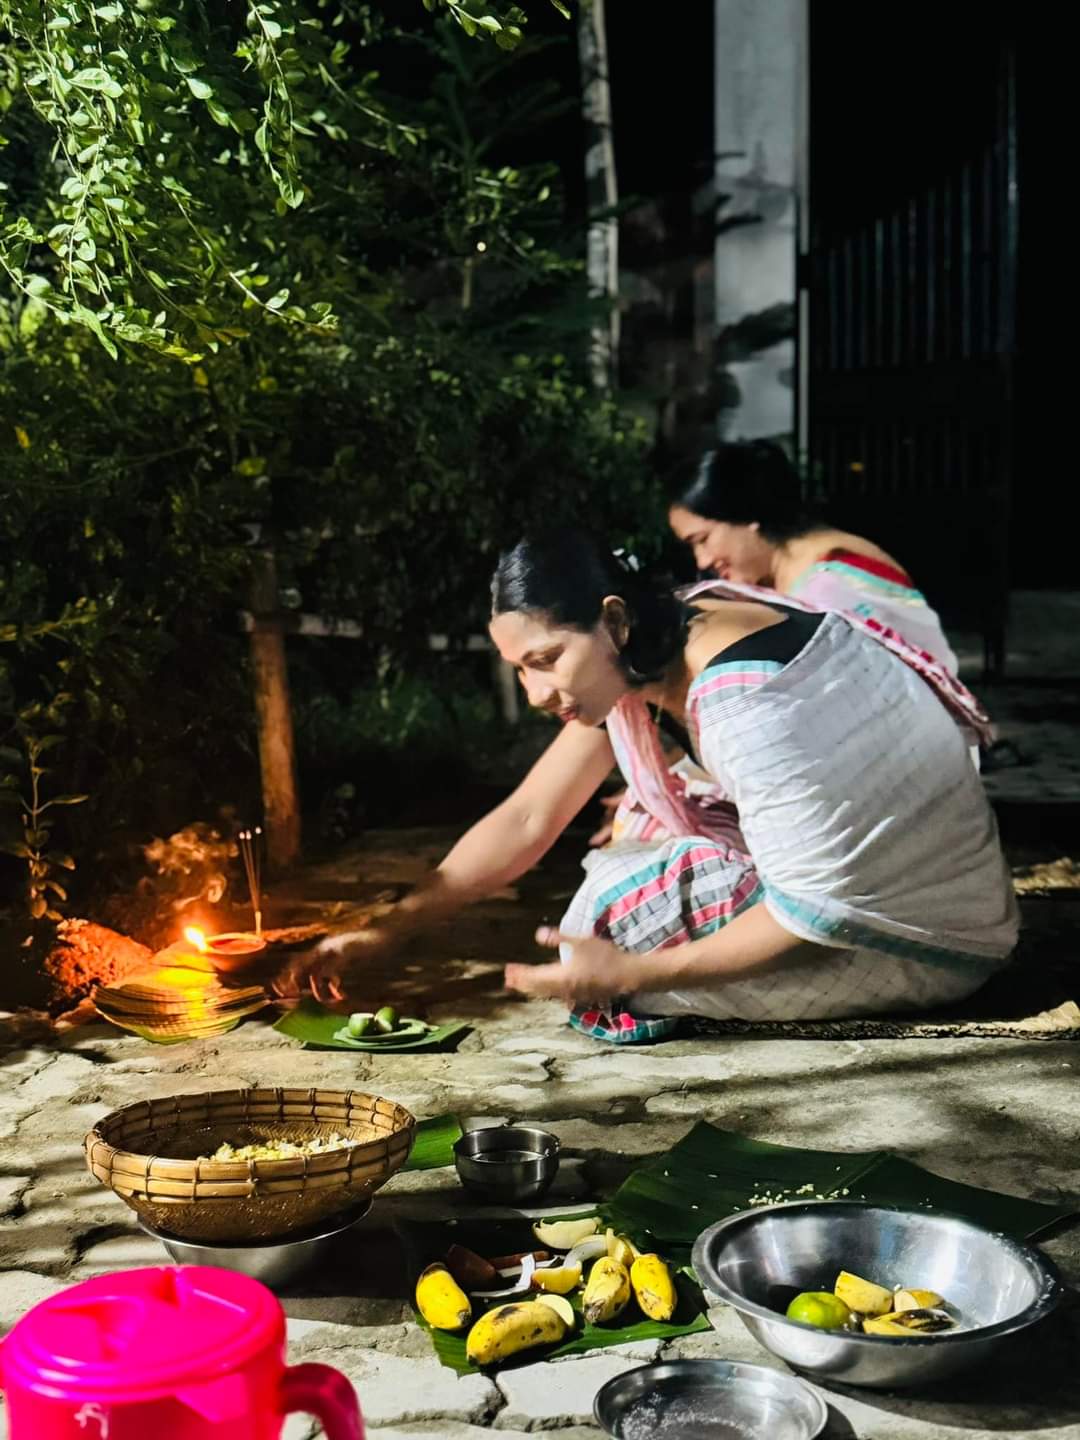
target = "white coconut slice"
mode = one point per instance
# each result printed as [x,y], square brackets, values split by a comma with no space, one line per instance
[523,1282]
[515,1270]
[586,1250]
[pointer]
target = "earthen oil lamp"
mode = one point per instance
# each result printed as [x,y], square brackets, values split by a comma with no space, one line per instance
[237,949]
[232,950]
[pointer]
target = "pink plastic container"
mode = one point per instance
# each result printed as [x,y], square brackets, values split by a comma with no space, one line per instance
[190,1353]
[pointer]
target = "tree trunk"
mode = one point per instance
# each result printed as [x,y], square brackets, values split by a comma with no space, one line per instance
[277,758]
[602,191]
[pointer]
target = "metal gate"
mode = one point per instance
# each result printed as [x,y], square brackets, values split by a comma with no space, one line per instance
[910,384]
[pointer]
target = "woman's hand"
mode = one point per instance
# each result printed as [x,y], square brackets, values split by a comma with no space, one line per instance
[596,972]
[325,971]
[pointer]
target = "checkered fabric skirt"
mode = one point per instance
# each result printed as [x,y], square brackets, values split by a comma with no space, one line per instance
[650,897]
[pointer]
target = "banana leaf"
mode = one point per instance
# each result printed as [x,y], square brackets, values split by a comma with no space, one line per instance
[425,1242]
[434,1143]
[174,1030]
[160,1037]
[313,1025]
[711,1174]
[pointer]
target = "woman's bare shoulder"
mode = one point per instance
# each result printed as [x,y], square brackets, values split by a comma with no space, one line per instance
[819,544]
[722,623]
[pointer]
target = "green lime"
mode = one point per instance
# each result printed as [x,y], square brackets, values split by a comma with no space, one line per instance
[404,1033]
[386,1019]
[360,1022]
[818,1307]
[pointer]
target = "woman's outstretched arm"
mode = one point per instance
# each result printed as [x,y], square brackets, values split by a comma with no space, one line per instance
[507,842]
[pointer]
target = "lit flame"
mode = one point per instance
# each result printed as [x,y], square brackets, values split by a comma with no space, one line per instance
[194,936]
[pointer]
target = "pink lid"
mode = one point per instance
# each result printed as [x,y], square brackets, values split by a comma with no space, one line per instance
[142,1333]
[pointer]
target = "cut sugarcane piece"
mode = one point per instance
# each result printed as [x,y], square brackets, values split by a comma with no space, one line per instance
[471,1271]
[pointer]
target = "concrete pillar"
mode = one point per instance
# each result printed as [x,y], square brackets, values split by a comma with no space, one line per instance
[602,191]
[760,138]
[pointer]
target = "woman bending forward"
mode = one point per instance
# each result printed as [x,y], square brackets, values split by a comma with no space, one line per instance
[859,872]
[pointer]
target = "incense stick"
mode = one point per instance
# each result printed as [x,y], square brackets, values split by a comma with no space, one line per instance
[249,843]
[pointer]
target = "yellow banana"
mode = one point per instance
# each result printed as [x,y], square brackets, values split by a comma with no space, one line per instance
[862,1295]
[621,1248]
[441,1300]
[510,1328]
[557,1282]
[608,1291]
[564,1234]
[917,1300]
[884,1325]
[654,1289]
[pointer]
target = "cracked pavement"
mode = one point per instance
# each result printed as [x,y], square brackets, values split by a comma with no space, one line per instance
[996,1113]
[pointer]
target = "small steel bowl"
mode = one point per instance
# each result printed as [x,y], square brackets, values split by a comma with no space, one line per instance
[718,1399]
[758,1261]
[507,1163]
[275,1262]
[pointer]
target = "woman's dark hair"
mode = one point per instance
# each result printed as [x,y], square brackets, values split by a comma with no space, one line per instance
[566,575]
[743,482]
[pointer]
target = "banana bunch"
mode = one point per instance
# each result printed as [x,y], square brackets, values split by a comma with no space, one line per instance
[537,1312]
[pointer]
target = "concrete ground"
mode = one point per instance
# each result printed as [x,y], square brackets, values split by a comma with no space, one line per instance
[1036,707]
[996,1113]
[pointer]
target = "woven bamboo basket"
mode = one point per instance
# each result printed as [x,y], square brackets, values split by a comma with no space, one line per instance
[149,1154]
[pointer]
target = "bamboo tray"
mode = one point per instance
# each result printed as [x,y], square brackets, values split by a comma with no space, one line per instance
[148,1153]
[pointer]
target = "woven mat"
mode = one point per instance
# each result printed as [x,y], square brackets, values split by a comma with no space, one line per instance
[1060,1023]
[1033,998]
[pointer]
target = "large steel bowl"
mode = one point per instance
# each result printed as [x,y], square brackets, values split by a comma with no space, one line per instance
[276,1263]
[758,1261]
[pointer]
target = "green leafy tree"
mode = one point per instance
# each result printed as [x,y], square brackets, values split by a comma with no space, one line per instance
[388,376]
[177,132]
